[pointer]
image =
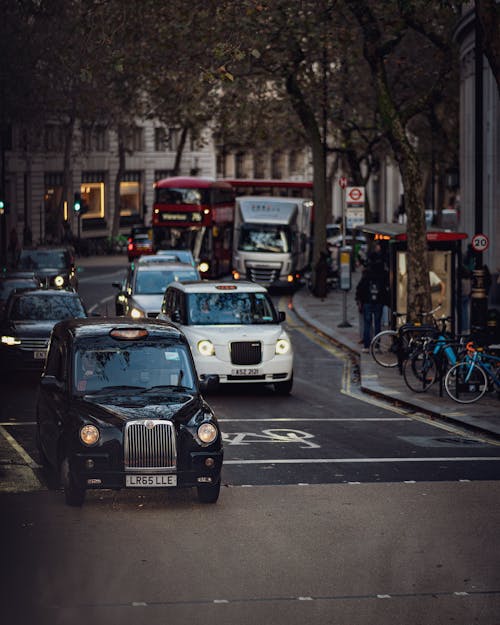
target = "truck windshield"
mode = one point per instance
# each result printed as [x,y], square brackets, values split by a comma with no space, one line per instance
[264,238]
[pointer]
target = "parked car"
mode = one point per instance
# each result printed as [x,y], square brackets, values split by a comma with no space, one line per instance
[234,332]
[28,320]
[173,255]
[141,293]
[55,266]
[124,410]
[16,280]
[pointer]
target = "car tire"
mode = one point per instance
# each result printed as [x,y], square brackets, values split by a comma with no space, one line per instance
[208,494]
[284,388]
[74,494]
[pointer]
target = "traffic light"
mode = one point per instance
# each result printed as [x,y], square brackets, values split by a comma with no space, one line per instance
[77,202]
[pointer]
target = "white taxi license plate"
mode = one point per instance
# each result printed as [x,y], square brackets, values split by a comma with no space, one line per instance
[40,355]
[150,481]
[244,372]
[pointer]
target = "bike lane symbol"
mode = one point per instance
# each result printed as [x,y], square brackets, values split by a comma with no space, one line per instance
[271,436]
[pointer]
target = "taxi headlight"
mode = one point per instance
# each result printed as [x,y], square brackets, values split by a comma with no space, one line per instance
[89,435]
[206,348]
[59,281]
[203,267]
[282,346]
[207,433]
[10,340]
[136,313]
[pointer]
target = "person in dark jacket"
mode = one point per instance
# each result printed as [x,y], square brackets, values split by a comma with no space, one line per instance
[371,296]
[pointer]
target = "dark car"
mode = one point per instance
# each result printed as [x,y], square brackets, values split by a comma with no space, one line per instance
[139,244]
[16,280]
[119,405]
[28,320]
[54,265]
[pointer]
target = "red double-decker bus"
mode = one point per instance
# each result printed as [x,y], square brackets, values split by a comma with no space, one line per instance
[276,188]
[196,214]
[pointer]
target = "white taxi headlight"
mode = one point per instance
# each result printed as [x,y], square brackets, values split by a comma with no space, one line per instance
[89,435]
[282,346]
[136,313]
[203,267]
[207,433]
[206,348]
[59,281]
[10,340]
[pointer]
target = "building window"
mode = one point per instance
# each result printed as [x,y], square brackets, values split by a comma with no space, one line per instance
[174,138]
[93,197]
[259,165]
[130,195]
[277,165]
[53,138]
[239,165]
[135,139]
[161,139]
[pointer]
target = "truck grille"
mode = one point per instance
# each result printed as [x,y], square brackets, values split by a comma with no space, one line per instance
[149,444]
[246,353]
[262,275]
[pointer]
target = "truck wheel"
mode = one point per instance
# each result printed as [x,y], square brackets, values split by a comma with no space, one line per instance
[208,494]
[74,494]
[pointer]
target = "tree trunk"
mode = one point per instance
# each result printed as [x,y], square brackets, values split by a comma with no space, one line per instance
[119,175]
[69,129]
[180,151]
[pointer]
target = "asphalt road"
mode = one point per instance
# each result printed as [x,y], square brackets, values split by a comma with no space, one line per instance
[336,508]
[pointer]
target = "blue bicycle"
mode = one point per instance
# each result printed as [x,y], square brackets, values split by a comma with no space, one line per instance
[468,380]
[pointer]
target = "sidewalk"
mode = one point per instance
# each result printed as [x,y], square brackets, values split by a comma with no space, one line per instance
[328,316]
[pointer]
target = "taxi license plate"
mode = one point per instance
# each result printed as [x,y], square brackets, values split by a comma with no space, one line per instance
[150,481]
[244,372]
[40,355]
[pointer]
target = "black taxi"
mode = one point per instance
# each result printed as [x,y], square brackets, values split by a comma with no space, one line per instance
[120,406]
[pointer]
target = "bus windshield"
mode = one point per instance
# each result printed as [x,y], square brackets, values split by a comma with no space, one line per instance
[264,238]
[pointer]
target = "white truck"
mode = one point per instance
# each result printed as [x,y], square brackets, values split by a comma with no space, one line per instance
[272,239]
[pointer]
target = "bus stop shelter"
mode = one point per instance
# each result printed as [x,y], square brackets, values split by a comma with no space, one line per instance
[444,258]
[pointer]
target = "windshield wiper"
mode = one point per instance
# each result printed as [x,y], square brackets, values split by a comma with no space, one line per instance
[123,387]
[169,387]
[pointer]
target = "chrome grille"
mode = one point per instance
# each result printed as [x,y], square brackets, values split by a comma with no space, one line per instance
[32,343]
[149,444]
[246,352]
[262,275]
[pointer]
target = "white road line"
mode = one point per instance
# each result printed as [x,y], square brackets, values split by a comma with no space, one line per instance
[101,302]
[20,450]
[362,460]
[306,420]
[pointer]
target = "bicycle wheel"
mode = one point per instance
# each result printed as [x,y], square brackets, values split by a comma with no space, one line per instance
[465,382]
[420,371]
[384,348]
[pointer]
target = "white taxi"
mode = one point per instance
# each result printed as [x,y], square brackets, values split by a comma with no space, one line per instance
[234,331]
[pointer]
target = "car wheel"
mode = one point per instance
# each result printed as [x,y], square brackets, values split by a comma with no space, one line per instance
[42,458]
[208,494]
[74,494]
[284,388]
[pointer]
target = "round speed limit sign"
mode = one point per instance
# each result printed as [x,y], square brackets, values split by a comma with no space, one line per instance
[480,243]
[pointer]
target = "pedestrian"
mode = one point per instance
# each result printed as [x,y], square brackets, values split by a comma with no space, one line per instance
[13,247]
[371,296]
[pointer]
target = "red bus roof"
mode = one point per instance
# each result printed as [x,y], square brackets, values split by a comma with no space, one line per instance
[191,182]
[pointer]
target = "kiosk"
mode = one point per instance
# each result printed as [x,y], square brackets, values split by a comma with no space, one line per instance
[445,259]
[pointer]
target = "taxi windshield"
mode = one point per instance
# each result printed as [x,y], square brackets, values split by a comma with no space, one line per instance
[133,365]
[230,308]
[154,282]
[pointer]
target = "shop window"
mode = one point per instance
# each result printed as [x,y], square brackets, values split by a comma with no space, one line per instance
[130,194]
[93,198]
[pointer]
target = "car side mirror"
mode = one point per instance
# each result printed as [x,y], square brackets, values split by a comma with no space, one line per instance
[281,316]
[51,383]
[117,285]
[209,383]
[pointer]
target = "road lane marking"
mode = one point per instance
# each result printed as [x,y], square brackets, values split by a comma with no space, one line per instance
[17,476]
[362,460]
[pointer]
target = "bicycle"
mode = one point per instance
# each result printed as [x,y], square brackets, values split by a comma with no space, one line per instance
[389,348]
[431,357]
[468,380]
